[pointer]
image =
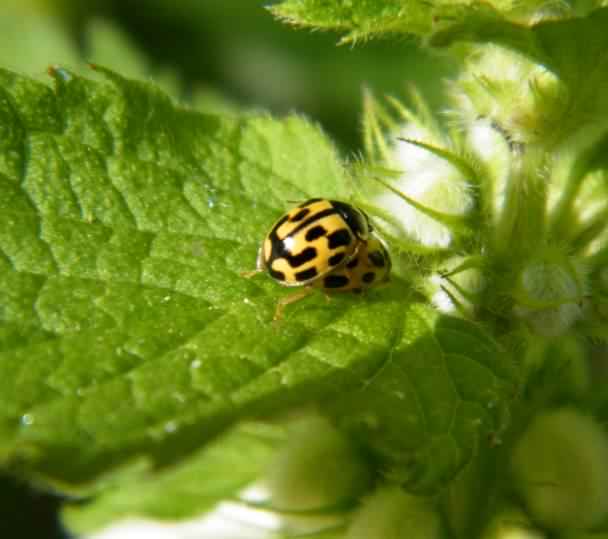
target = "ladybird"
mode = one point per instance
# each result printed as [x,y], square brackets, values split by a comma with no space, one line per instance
[311,240]
[370,266]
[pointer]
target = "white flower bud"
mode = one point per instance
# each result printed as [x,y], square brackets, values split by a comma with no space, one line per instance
[430,181]
[549,293]
[520,97]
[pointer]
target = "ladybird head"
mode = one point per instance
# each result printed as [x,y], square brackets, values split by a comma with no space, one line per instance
[355,218]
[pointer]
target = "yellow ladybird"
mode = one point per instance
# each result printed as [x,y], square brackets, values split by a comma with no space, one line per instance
[312,240]
[369,267]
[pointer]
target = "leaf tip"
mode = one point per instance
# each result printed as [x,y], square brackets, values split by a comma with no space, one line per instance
[59,73]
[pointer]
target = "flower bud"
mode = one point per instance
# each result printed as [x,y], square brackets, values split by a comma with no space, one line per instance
[318,467]
[549,292]
[511,523]
[390,513]
[561,469]
[430,181]
[523,97]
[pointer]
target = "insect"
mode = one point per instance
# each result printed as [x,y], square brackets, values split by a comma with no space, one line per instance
[323,244]
[370,266]
[311,240]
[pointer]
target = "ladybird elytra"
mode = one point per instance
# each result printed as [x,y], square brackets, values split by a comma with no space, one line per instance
[369,267]
[311,240]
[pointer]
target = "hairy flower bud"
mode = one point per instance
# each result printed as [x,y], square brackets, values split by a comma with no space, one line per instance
[432,183]
[549,292]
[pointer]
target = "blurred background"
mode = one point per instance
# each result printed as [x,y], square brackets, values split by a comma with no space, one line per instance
[217,56]
[215,53]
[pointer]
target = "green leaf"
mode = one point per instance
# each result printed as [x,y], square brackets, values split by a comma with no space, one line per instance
[190,488]
[359,18]
[362,19]
[575,50]
[127,332]
[125,223]
[441,393]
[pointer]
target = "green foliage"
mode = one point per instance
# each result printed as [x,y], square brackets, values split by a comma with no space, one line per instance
[193,486]
[127,329]
[565,63]
[266,65]
[31,44]
[444,383]
[125,225]
[391,513]
[134,354]
[362,19]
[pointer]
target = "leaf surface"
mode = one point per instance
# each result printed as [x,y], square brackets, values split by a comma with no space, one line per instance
[127,331]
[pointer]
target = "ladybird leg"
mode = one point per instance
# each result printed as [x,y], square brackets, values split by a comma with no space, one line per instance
[259,267]
[287,300]
[251,273]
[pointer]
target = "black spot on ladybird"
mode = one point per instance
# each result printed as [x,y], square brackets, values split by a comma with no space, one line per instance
[335,281]
[352,263]
[338,238]
[369,277]
[377,259]
[278,275]
[334,260]
[311,219]
[315,232]
[306,275]
[300,215]
[306,255]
